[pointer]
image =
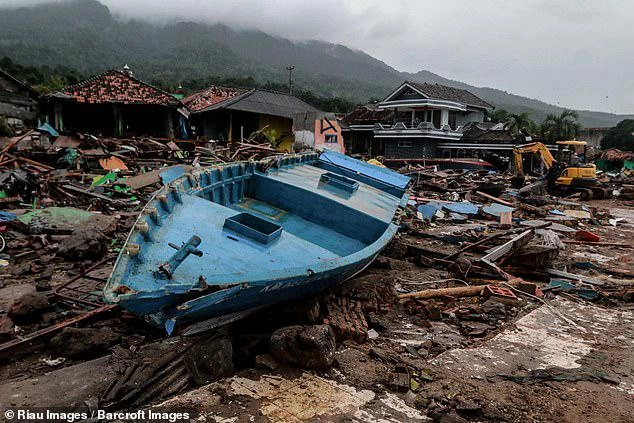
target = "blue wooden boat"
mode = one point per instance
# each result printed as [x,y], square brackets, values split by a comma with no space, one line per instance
[229,238]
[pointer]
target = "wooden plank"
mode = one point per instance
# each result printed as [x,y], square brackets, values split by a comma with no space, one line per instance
[13,143]
[94,194]
[143,180]
[479,242]
[600,243]
[460,291]
[495,199]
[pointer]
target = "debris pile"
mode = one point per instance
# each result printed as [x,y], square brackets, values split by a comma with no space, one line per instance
[472,258]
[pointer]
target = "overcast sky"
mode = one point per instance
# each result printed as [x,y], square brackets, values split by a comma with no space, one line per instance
[573,53]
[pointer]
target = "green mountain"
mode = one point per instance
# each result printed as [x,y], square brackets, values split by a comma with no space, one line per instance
[84,35]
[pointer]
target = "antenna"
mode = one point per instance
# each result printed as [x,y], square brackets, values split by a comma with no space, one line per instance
[290,78]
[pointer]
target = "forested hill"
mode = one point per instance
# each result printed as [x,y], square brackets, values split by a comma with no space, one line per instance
[85,36]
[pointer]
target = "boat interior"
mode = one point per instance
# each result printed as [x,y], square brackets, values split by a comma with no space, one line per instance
[248,222]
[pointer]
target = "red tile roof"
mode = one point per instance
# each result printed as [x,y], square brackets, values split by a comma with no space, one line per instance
[115,87]
[212,95]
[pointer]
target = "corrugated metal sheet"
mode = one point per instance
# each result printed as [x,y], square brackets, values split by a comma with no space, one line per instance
[265,102]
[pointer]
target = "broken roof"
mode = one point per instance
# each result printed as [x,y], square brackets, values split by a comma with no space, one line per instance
[22,84]
[444,92]
[486,132]
[263,102]
[368,114]
[114,86]
[212,95]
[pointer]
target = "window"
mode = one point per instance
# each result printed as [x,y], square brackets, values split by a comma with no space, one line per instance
[331,139]
[452,119]
[404,144]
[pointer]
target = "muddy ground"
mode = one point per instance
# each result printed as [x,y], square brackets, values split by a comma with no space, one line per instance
[560,358]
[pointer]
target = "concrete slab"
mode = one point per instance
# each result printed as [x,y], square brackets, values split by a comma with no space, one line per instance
[307,397]
[559,335]
[67,387]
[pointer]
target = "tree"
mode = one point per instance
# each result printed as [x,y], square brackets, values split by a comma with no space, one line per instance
[564,126]
[518,123]
[621,136]
[498,116]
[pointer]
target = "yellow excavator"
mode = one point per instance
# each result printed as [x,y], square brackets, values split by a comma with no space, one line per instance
[564,176]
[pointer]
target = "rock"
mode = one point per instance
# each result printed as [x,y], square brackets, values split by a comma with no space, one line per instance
[83,244]
[209,360]
[494,309]
[305,346]
[83,342]
[29,307]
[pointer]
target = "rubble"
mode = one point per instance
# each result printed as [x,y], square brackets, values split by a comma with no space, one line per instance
[306,346]
[473,260]
[29,307]
[83,244]
[209,360]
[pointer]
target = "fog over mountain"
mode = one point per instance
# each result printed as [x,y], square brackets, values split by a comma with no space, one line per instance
[568,53]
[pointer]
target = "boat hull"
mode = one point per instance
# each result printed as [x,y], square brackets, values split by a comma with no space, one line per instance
[250,297]
[244,238]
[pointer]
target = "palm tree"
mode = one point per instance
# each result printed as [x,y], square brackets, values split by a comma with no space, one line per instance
[560,127]
[517,123]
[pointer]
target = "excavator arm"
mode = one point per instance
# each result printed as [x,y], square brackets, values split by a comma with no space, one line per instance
[535,148]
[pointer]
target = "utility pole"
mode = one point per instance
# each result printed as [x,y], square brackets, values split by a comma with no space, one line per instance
[290,78]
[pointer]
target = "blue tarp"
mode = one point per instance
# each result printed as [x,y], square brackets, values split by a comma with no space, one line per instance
[45,127]
[382,174]
[427,211]
[461,208]
[496,209]
[6,216]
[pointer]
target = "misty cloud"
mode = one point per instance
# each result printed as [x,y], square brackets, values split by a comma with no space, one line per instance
[573,53]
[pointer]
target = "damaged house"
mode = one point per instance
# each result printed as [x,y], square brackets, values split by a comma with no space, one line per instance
[18,101]
[318,130]
[418,120]
[358,130]
[227,114]
[114,103]
[480,139]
